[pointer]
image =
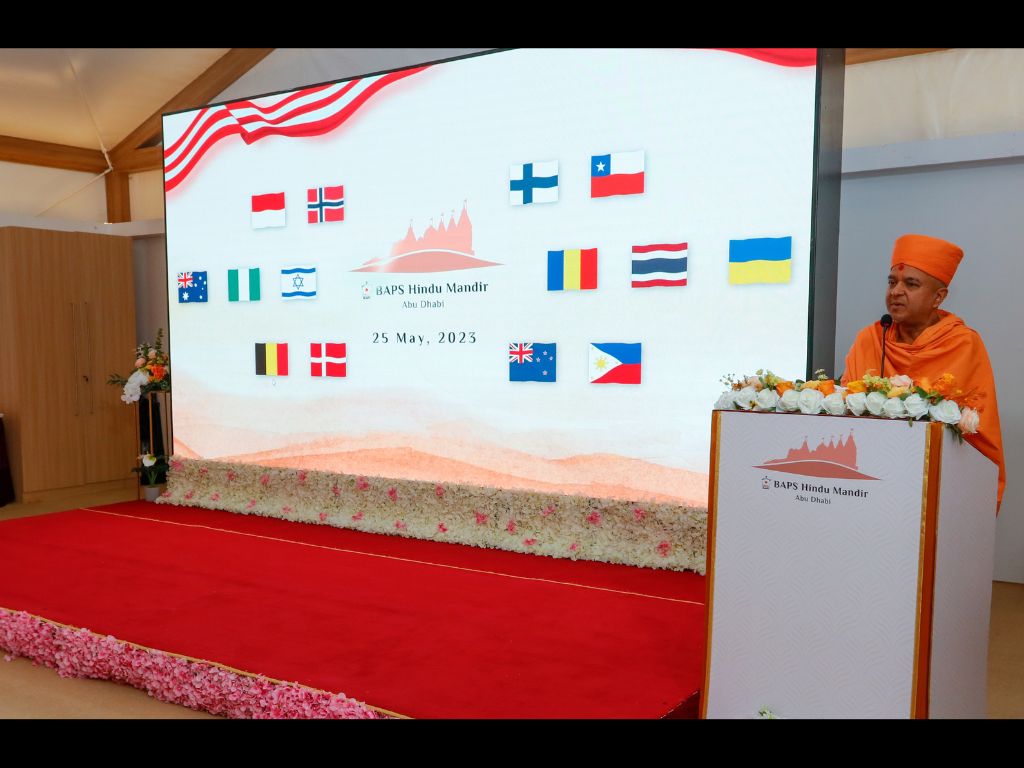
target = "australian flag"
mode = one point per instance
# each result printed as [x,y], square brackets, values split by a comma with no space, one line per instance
[192,287]
[531,362]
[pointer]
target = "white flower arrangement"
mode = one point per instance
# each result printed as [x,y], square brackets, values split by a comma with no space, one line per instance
[653,535]
[896,397]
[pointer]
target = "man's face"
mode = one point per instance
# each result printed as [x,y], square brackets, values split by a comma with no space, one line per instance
[912,295]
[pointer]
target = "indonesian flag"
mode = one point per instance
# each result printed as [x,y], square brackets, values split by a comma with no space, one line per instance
[327,359]
[268,210]
[618,173]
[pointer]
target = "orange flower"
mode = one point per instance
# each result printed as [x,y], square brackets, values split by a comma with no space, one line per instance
[944,386]
[897,391]
[783,386]
[158,373]
[855,386]
[827,387]
[812,384]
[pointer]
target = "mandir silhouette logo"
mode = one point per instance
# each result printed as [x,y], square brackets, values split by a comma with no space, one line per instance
[832,459]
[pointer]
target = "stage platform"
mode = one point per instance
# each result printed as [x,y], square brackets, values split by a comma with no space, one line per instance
[410,628]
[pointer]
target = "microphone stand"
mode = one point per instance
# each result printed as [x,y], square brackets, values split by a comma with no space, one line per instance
[886,325]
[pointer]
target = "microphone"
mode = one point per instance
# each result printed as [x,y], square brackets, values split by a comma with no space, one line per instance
[886,322]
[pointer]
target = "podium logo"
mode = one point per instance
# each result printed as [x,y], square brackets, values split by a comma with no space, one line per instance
[832,459]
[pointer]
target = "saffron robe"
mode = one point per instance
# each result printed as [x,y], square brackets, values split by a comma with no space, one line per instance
[949,346]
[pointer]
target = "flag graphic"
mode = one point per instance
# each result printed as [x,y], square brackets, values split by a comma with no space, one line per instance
[533,183]
[663,264]
[192,287]
[327,359]
[531,362]
[298,283]
[268,210]
[325,204]
[615,363]
[271,359]
[760,260]
[572,270]
[306,112]
[618,173]
[244,284]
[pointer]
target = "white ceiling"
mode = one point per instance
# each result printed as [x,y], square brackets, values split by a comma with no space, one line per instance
[91,97]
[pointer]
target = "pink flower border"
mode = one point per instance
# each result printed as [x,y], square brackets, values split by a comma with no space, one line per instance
[656,535]
[198,685]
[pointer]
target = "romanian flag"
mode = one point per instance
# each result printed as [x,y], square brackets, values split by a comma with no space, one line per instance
[271,359]
[760,260]
[572,270]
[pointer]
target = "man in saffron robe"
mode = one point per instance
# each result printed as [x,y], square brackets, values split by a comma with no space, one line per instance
[926,342]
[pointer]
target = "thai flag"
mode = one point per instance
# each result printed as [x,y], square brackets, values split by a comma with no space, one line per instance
[618,173]
[663,264]
[325,204]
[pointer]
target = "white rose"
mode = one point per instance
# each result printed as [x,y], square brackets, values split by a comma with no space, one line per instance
[894,408]
[916,406]
[876,402]
[790,401]
[969,421]
[834,404]
[810,401]
[725,402]
[752,381]
[946,411]
[901,381]
[767,399]
[857,403]
[745,398]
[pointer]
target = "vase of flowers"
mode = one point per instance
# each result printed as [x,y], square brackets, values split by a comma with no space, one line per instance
[152,371]
[149,473]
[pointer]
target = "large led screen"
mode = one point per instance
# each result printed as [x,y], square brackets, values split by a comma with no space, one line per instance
[522,270]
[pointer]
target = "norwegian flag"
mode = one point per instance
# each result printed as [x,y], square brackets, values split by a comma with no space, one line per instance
[325,204]
[327,359]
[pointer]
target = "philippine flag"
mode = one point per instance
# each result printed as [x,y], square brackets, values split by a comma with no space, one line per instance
[618,173]
[615,363]
[268,210]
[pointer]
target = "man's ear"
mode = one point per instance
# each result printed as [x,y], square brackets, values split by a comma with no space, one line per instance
[940,296]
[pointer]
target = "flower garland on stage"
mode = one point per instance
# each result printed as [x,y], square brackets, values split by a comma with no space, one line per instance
[643,534]
[895,397]
[195,684]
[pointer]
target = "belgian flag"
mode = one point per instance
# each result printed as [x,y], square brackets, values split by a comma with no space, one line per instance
[271,359]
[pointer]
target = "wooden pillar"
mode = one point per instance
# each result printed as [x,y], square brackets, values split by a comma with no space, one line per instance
[119,207]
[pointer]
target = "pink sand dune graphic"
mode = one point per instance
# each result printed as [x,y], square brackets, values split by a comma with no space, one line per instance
[439,249]
[836,459]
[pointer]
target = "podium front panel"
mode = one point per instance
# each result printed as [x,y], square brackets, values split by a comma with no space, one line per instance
[816,566]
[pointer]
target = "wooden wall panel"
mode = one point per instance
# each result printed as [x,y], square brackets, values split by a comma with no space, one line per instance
[67,320]
[107,295]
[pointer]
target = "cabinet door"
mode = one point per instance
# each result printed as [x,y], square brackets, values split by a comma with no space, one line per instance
[106,297]
[44,339]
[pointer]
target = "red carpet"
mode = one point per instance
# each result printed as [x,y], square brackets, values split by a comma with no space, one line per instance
[420,628]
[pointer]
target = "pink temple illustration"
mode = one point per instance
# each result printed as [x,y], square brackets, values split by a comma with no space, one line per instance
[444,248]
[833,459]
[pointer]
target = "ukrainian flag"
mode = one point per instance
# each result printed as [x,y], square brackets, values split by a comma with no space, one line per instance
[760,260]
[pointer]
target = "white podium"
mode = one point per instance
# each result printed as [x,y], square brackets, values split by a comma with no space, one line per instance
[849,569]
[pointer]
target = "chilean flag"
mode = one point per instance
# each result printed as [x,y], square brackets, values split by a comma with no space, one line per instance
[618,173]
[615,363]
